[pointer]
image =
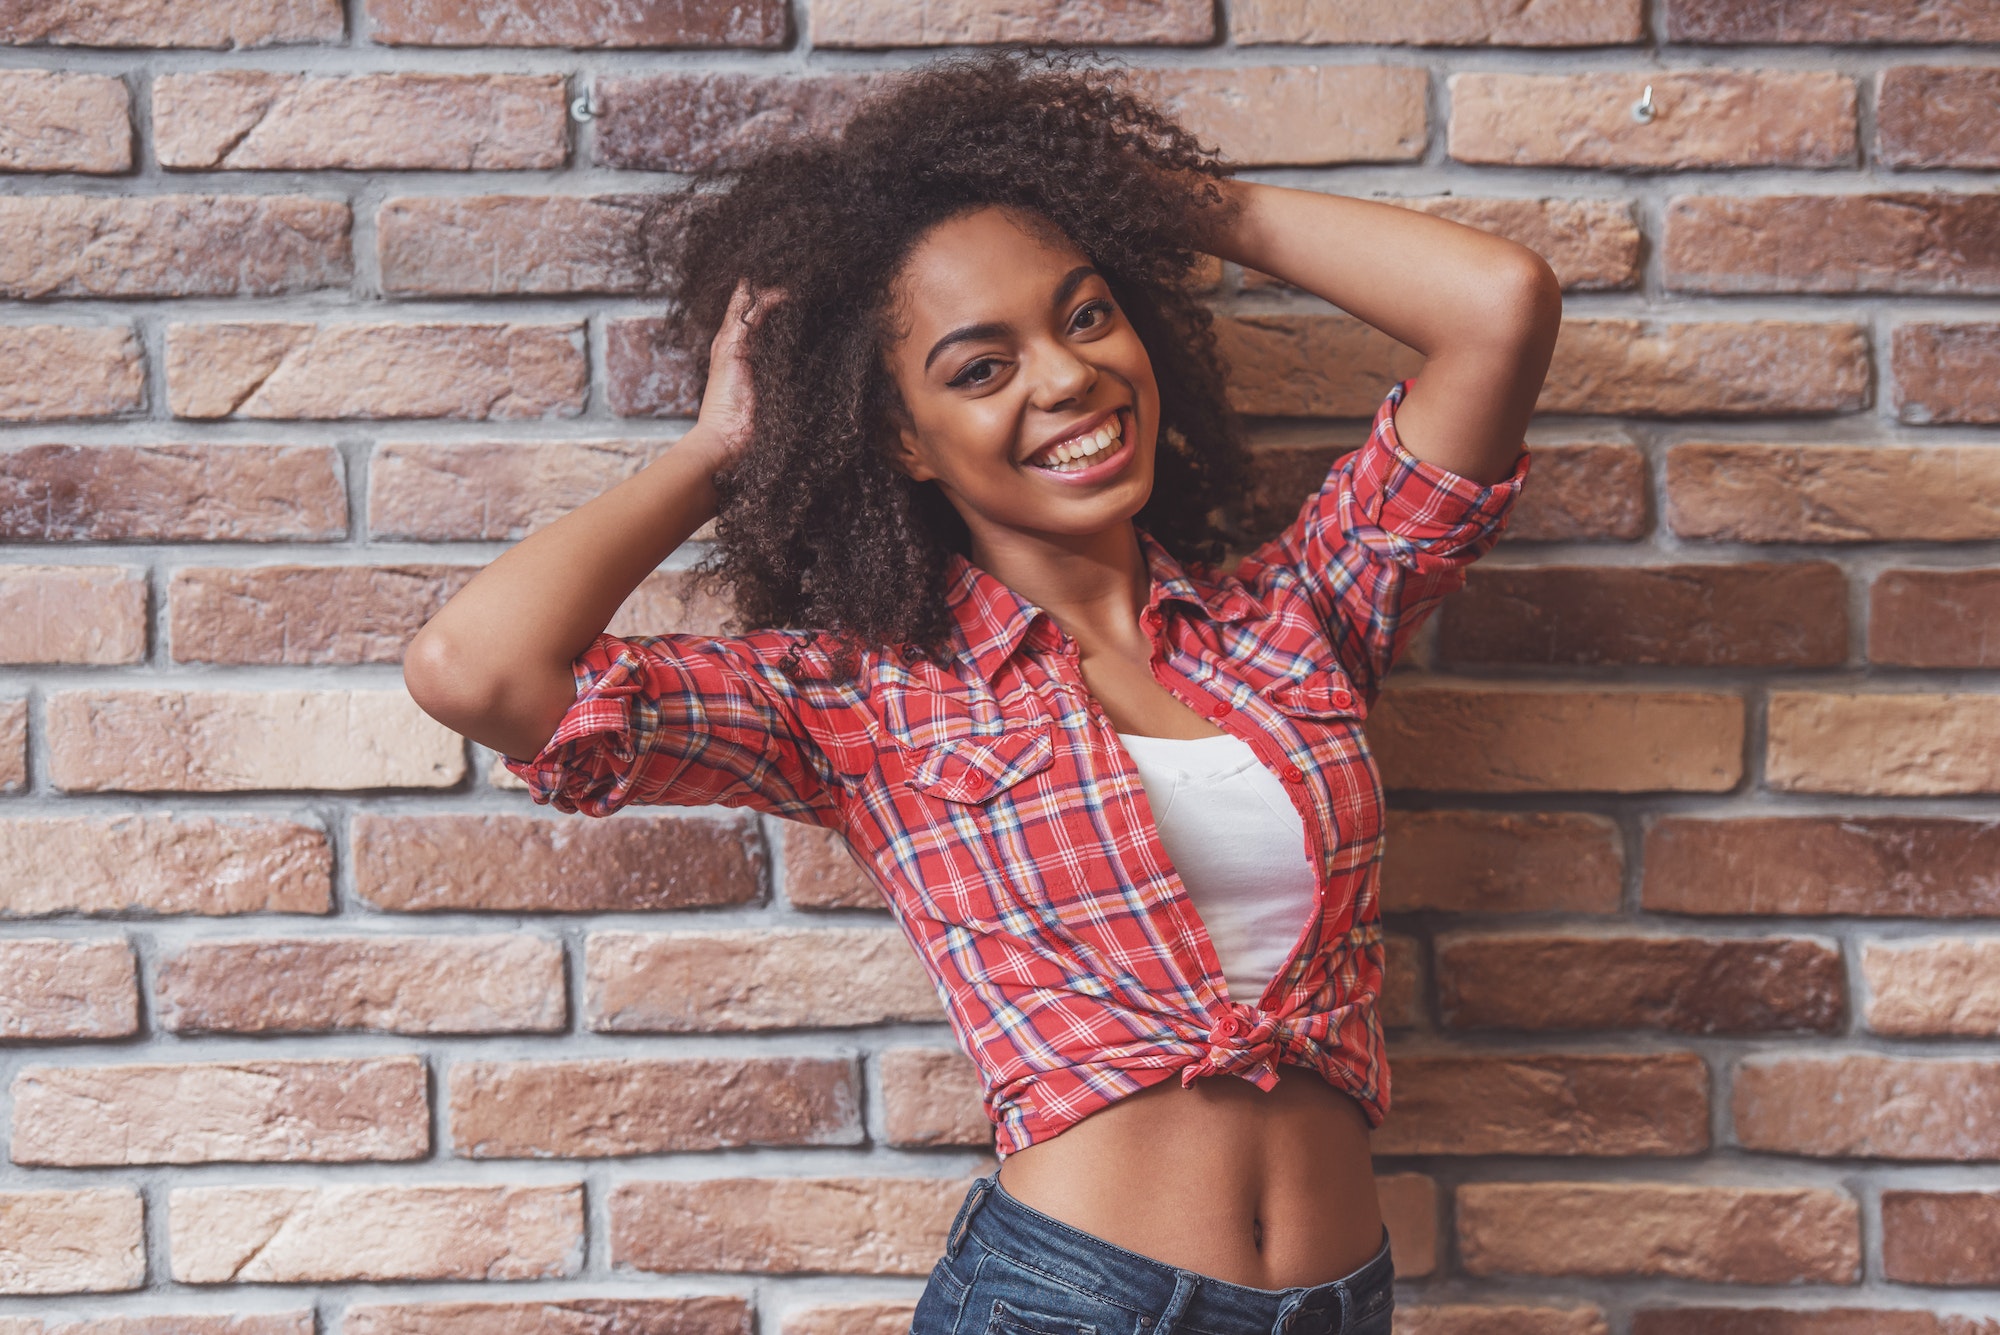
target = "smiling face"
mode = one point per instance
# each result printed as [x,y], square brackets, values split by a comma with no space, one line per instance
[1031,401]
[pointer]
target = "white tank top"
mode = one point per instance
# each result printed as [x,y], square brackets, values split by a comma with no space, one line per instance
[1239,846]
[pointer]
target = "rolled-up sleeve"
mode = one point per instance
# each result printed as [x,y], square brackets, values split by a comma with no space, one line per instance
[1382,542]
[682,720]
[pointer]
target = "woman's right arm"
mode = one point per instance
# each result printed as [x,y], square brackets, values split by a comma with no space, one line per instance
[495,663]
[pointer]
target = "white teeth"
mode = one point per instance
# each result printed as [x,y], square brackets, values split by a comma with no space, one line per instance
[1082,451]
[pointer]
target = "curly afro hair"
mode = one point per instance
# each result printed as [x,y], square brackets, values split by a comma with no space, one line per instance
[817,530]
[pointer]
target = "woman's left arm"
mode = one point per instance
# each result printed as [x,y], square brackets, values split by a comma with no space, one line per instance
[1482,311]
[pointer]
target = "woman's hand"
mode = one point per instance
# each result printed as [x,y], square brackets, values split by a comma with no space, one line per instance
[727,403]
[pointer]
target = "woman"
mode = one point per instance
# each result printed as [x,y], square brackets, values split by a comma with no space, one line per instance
[965,439]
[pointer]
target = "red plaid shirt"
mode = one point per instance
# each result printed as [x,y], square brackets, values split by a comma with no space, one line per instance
[989,797]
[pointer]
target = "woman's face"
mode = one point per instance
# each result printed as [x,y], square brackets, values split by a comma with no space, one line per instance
[1031,400]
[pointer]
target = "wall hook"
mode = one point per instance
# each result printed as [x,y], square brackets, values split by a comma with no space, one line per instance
[580,110]
[1643,110]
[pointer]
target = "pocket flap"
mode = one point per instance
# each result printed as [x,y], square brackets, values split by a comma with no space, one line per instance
[1324,695]
[974,769]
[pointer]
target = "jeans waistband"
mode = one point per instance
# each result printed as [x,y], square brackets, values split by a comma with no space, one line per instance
[1181,1300]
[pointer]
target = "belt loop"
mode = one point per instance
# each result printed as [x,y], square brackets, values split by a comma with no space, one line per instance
[1184,1286]
[973,1199]
[1294,1298]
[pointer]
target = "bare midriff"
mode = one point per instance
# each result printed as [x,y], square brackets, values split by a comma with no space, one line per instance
[1269,1190]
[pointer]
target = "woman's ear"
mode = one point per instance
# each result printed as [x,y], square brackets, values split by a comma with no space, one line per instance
[906,453]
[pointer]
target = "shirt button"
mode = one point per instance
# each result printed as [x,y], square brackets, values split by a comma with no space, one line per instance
[1293,774]
[1227,1027]
[1218,710]
[1342,698]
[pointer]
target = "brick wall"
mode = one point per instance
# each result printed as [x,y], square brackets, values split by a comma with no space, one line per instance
[310,1021]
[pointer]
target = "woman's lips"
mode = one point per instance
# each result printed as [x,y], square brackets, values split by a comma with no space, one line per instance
[1105,464]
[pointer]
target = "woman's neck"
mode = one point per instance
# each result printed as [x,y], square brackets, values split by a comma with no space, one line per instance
[1094,586]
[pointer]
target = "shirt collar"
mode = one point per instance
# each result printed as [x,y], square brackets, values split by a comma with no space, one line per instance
[991,621]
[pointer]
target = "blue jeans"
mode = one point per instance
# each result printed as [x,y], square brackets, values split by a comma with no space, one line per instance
[1011,1270]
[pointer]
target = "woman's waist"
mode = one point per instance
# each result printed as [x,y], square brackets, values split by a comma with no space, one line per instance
[1264,1189]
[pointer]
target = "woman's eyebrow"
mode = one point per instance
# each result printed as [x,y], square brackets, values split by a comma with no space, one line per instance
[974,332]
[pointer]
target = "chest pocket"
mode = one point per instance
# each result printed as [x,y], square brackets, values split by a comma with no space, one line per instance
[975,769]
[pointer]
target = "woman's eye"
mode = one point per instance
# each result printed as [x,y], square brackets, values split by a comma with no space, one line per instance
[966,376]
[1101,308]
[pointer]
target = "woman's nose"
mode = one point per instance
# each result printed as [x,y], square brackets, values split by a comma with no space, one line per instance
[1062,377]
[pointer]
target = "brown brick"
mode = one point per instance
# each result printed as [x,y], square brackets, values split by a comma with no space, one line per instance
[1860,866]
[1437,23]
[1933,986]
[491,492]
[299,1322]
[479,372]
[1285,473]
[1400,1005]
[519,864]
[761,978]
[821,873]
[370,1231]
[1705,118]
[1908,241]
[171,493]
[1501,862]
[70,372]
[1298,114]
[1761,615]
[710,1314]
[304,614]
[1833,493]
[13,745]
[848,1226]
[1816,21]
[577,23]
[88,1241]
[644,377]
[1582,493]
[215,24]
[68,989]
[154,740]
[1707,368]
[157,864]
[1902,744]
[1935,618]
[1682,984]
[962,22]
[1494,1319]
[57,121]
[884,1318]
[1937,116]
[1310,365]
[1869,1107]
[1503,740]
[688,120]
[611,1107]
[171,245]
[1720,1234]
[222,1112]
[261,120]
[932,1096]
[1410,1211]
[1547,1104]
[72,614]
[1947,372]
[1941,1237]
[497,245]
[454,984]
[1803,1321]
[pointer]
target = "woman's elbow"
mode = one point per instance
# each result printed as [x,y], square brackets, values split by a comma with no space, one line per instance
[436,679]
[1527,299]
